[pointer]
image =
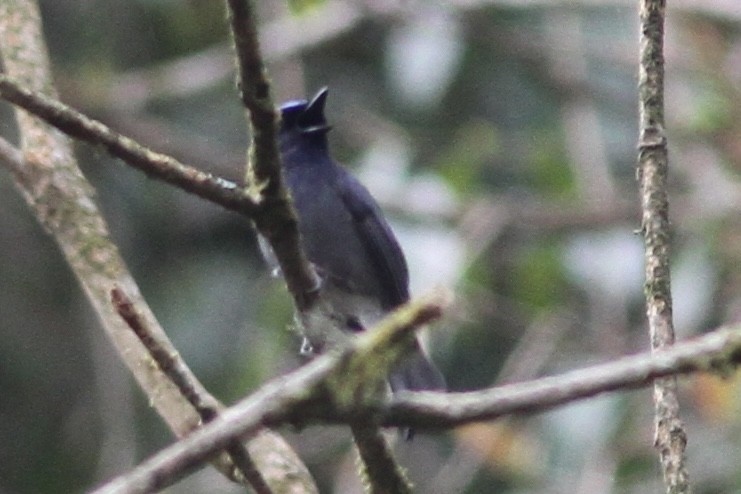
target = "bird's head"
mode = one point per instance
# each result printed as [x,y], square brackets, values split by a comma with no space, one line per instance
[305,117]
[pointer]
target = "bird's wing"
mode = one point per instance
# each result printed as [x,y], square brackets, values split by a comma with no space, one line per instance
[380,243]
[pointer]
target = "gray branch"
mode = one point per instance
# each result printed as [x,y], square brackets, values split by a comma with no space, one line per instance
[653,166]
[299,396]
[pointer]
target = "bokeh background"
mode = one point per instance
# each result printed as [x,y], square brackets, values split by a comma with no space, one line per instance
[499,136]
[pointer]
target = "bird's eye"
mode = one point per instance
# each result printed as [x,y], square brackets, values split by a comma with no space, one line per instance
[353,324]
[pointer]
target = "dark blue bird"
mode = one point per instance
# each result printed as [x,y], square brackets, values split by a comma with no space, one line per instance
[363,269]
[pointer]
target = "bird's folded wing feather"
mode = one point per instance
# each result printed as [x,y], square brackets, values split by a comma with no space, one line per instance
[379,241]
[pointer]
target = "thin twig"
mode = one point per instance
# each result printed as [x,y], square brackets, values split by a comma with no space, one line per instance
[653,165]
[174,368]
[719,351]
[170,363]
[156,165]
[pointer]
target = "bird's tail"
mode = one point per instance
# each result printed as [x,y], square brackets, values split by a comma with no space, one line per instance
[416,373]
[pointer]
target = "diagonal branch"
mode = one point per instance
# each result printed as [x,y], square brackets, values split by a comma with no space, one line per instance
[62,200]
[298,396]
[719,351]
[156,165]
[207,407]
[286,399]
[263,447]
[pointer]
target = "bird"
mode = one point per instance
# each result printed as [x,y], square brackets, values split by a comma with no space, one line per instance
[363,271]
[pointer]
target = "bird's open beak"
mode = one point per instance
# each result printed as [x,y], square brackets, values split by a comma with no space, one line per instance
[312,119]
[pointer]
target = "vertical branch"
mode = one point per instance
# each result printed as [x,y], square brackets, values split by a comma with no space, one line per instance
[670,437]
[379,471]
[275,220]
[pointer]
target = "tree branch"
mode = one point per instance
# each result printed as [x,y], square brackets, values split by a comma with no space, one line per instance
[322,383]
[719,351]
[300,398]
[264,447]
[276,220]
[653,165]
[379,471]
[279,225]
[156,165]
[206,405]
[49,179]
[270,208]
[61,198]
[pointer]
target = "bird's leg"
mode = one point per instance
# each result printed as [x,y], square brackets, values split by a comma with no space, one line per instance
[307,349]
